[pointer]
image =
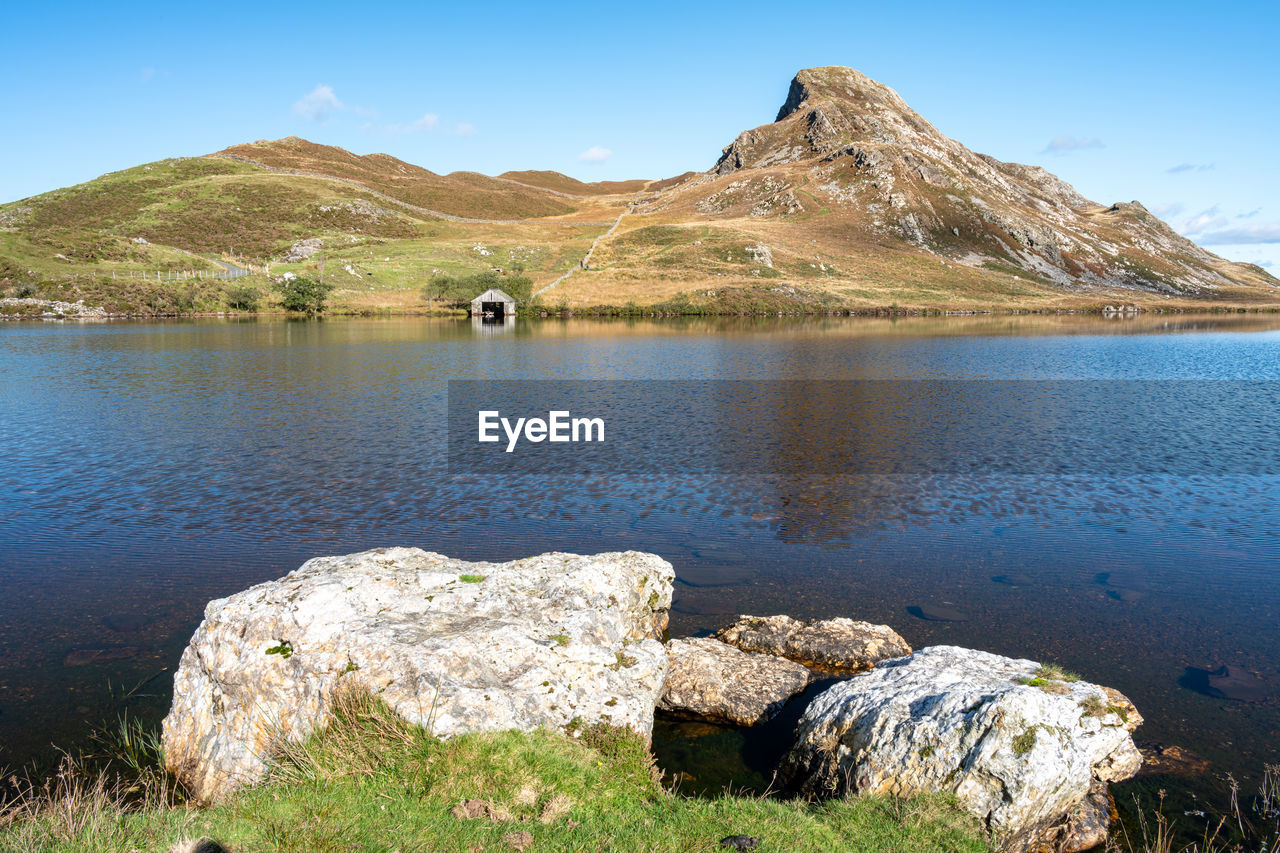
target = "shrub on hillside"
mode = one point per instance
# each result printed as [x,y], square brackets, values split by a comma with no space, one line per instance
[304,295]
[243,297]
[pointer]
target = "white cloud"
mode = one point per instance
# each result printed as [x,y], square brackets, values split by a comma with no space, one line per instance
[427,123]
[1066,143]
[1250,214]
[466,129]
[1165,211]
[595,154]
[1203,221]
[318,104]
[1246,234]
[1189,167]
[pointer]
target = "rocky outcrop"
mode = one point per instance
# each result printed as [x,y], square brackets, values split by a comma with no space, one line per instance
[50,308]
[893,181]
[454,646]
[714,681]
[302,249]
[831,645]
[1027,753]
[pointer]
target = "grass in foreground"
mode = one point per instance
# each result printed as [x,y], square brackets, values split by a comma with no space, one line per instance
[371,782]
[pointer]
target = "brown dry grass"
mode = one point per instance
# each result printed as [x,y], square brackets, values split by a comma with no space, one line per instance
[565,184]
[461,193]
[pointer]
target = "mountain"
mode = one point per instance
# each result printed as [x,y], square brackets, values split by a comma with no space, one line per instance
[849,150]
[848,199]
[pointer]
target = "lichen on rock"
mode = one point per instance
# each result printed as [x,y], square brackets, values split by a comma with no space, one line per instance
[1027,761]
[714,681]
[450,655]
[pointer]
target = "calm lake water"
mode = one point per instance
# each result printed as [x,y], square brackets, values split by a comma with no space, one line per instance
[147,468]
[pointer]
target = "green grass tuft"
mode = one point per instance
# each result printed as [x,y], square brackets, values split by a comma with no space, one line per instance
[371,781]
[1053,672]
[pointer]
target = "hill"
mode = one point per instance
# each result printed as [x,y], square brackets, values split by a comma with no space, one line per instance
[849,199]
[851,192]
[564,184]
[466,194]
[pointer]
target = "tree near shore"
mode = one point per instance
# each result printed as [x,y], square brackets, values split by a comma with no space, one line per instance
[304,295]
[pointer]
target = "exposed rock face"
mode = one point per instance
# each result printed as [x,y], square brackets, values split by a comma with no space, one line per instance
[883,171]
[454,646]
[760,254]
[52,307]
[302,250]
[715,681]
[832,645]
[1027,760]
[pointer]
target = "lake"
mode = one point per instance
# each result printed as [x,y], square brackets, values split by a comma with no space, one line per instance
[150,467]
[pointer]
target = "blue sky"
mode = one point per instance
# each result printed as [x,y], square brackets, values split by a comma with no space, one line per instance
[1173,104]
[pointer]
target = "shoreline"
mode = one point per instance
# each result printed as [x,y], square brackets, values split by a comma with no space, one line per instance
[614,312]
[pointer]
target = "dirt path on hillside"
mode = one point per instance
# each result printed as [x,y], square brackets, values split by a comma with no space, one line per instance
[582,264]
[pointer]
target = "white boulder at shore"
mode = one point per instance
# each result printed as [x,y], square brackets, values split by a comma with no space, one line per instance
[1027,753]
[452,645]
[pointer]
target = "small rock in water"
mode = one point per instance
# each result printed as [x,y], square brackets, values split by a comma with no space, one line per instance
[832,645]
[1125,586]
[936,613]
[716,681]
[740,842]
[85,655]
[1228,682]
[696,728]
[126,623]
[1234,682]
[1160,759]
[1012,580]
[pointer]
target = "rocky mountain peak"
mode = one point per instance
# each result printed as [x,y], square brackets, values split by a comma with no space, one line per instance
[857,150]
[840,84]
[828,110]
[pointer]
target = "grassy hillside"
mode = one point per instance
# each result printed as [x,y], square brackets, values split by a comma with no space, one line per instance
[198,205]
[565,184]
[371,782]
[849,201]
[460,194]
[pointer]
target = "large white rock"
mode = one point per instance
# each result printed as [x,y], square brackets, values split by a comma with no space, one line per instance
[455,646]
[1022,757]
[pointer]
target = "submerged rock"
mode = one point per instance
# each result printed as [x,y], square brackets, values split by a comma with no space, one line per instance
[455,646]
[1172,760]
[936,613]
[833,645]
[1227,682]
[1236,682]
[87,655]
[127,623]
[715,681]
[1025,760]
